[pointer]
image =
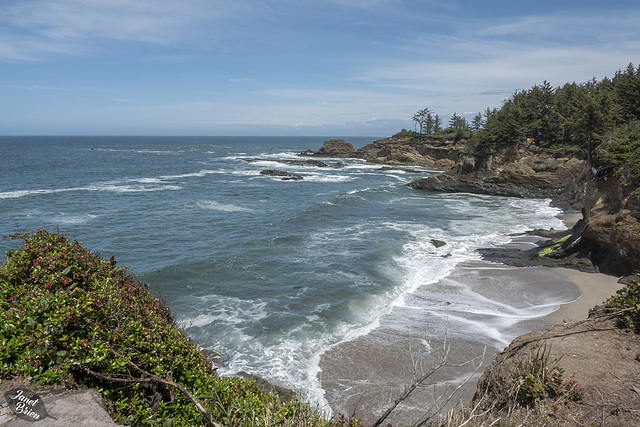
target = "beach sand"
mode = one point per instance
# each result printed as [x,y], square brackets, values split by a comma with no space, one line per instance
[594,289]
[366,374]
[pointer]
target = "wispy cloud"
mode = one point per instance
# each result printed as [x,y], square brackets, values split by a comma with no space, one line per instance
[32,87]
[310,63]
[67,26]
[475,59]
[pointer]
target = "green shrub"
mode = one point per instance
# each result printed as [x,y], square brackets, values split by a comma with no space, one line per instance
[405,132]
[69,316]
[539,377]
[626,302]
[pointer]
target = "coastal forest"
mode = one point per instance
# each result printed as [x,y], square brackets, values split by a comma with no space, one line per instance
[597,119]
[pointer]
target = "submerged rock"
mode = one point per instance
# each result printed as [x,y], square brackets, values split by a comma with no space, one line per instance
[438,243]
[286,176]
[314,163]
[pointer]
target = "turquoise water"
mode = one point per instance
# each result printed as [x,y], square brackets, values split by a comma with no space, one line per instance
[268,273]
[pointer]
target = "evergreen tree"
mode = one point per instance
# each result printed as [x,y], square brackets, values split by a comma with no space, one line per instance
[437,124]
[477,122]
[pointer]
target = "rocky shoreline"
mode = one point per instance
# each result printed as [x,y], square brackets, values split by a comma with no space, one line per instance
[606,239]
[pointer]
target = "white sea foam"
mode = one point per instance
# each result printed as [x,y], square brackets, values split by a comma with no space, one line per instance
[215,206]
[316,177]
[74,219]
[198,174]
[134,185]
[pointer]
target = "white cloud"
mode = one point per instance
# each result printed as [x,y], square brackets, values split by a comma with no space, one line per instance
[70,26]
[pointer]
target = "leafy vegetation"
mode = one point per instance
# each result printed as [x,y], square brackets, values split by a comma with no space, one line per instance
[626,304]
[67,316]
[596,120]
[405,132]
[539,377]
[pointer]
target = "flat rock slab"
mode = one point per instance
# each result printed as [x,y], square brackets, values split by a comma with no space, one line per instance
[77,408]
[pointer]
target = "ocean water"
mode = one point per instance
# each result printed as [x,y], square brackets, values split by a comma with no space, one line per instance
[273,274]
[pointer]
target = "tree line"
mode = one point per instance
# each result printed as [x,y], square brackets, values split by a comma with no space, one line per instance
[598,120]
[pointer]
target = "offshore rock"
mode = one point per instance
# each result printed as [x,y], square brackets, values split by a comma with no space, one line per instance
[313,163]
[429,151]
[286,176]
[336,148]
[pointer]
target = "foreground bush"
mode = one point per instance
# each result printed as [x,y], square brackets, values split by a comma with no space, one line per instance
[626,306]
[67,316]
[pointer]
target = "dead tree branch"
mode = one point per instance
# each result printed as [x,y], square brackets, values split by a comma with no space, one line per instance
[154,378]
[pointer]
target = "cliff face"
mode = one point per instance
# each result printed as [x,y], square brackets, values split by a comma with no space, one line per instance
[431,152]
[611,233]
[513,172]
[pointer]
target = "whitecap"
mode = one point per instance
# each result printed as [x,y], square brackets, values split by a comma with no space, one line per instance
[327,178]
[215,206]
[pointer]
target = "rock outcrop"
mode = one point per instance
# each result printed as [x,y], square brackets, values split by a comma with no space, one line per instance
[514,172]
[311,163]
[428,151]
[611,232]
[608,234]
[338,148]
[285,176]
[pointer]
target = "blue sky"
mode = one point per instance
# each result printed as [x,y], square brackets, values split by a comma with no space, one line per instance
[290,67]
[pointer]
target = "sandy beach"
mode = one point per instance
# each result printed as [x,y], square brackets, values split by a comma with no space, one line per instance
[594,289]
[366,374]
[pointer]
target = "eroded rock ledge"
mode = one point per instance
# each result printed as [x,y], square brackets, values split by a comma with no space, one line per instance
[514,172]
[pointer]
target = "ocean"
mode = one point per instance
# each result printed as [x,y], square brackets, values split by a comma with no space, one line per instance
[283,278]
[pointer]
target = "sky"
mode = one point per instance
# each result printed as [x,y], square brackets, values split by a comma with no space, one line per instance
[290,67]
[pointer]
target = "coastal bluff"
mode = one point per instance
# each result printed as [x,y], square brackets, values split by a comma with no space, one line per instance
[437,152]
[609,232]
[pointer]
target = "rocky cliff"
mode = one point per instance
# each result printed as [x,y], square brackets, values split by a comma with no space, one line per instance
[513,172]
[427,151]
[609,234]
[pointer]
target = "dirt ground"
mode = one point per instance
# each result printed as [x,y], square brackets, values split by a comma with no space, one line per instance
[604,362]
